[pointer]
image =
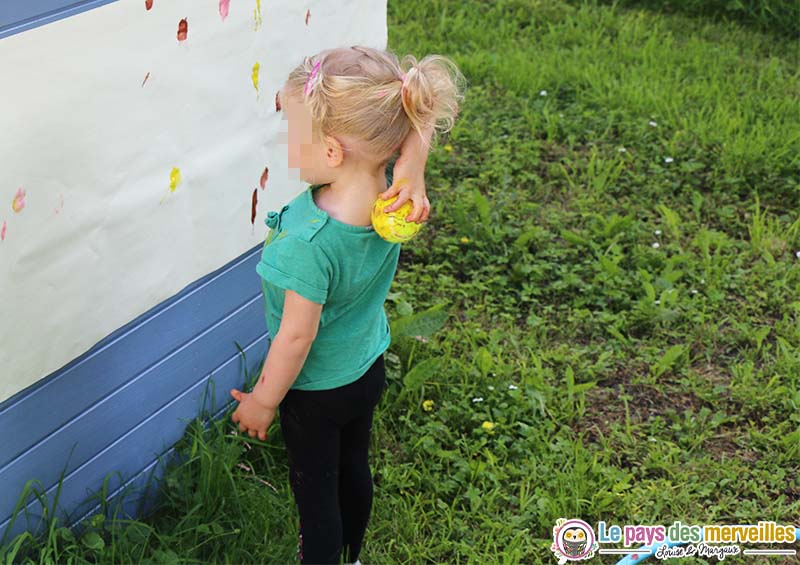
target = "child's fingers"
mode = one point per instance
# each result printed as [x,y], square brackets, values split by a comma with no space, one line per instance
[237,395]
[262,436]
[401,199]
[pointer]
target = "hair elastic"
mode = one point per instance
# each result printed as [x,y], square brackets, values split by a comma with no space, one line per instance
[309,82]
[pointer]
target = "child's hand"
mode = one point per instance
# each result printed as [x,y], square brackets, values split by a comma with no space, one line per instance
[409,182]
[252,417]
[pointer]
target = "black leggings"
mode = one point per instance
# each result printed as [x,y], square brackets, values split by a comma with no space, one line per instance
[327,435]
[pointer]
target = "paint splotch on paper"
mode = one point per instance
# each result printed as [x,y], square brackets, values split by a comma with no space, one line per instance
[224,6]
[254,76]
[174,178]
[148,4]
[183,29]
[264,177]
[147,76]
[257,15]
[60,204]
[253,207]
[3,232]
[308,15]
[19,201]
[278,101]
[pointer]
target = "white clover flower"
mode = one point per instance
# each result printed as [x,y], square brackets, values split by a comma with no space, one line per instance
[477,399]
[543,93]
[657,232]
[512,387]
[668,159]
[693,291]
[621,149]
[656,245]
[491,387]
[702,281]
[657,302]
[797,254]
[652,123]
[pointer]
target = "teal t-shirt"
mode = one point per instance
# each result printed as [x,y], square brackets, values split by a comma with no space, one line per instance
[348,269]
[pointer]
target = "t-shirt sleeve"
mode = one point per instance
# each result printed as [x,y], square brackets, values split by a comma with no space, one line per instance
[295,264]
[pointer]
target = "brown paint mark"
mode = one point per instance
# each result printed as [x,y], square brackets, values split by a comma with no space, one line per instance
[253,207]
[308,15]
[147,76]
[278,101]
[264,177]
[183,29]
[148,4]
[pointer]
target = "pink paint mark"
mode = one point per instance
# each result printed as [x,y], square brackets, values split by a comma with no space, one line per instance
[19,201]
[60,204]
[3,232]
[308,15]
[224,6]
[183,29]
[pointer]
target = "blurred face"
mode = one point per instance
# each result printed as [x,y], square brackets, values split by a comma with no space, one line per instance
[306,152]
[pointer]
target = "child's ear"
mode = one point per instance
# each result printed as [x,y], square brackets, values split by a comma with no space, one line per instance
[334,151]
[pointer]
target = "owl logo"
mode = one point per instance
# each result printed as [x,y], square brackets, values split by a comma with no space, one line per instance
[573,540]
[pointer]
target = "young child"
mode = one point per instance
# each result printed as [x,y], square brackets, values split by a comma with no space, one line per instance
[326,274]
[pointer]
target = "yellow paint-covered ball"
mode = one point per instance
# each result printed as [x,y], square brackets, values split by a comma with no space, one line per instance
[392,226]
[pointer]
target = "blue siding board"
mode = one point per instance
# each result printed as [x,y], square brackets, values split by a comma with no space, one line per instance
[155,373]
[81,438]
[132,349]
[138,450]
[20,15]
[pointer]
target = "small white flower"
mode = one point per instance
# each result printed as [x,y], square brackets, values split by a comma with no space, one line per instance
[652,123]
[477,399]
[621,149]
[656,245]
[668,159]
[657,232]
[702,281]
[693,291]
[651,439]
[491,387]
[512,387]
[797,254]
[543,93]
[657,302]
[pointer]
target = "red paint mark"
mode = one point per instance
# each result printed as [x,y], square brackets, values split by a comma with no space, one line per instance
[308,15]
[148,4]
[278,101]
[635,556]
[224,6]
[264,177]
[147,76]
[253,207]
[183,29]
[19,201]
[3,232]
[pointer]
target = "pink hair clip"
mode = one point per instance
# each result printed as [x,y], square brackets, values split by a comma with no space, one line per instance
[309,87]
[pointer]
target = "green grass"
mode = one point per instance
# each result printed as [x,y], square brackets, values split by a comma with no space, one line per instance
[651,383]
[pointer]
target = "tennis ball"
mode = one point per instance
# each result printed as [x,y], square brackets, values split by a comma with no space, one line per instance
[392,226]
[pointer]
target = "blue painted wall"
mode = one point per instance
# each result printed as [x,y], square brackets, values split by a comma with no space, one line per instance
[122,405]
[19,15]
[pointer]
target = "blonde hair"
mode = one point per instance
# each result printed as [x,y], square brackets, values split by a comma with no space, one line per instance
[371,96]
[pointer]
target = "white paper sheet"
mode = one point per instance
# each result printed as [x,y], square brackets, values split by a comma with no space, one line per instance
[95,112]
